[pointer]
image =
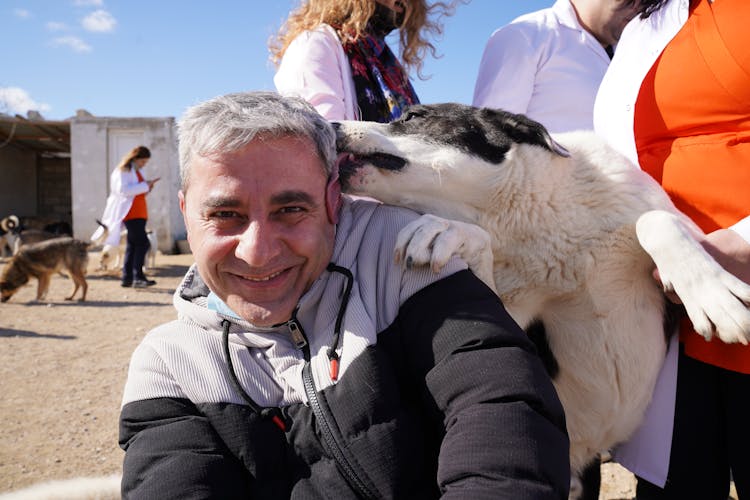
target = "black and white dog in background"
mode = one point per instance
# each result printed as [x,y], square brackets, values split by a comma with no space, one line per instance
[566,235]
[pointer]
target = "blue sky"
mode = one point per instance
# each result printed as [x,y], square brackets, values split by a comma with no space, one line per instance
[154,58]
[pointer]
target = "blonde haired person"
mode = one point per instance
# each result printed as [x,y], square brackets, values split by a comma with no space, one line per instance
[333,54]
[126,205]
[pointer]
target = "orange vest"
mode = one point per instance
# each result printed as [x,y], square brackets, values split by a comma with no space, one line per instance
[139,209]
[692,131]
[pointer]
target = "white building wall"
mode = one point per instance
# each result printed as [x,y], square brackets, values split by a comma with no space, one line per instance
[97,144]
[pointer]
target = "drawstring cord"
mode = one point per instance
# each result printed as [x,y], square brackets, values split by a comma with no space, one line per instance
[333,357]
[273,413]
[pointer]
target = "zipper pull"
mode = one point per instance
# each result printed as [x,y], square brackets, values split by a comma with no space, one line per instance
[275,415]
[297,336]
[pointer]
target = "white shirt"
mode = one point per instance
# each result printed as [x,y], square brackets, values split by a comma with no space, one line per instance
[315,68]
[544,65]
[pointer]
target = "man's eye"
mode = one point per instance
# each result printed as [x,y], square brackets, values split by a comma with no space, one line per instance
[291,210]
[223,215]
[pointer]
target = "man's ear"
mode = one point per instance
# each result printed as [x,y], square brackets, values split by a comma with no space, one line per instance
[333,197]
[181,197]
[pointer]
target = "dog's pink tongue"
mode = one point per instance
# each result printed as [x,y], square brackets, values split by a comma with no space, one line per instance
[344,158]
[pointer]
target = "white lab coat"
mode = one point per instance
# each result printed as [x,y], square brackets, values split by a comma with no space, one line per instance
[123,187]
[316,68]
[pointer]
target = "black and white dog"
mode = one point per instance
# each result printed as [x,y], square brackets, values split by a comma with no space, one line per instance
[567,232]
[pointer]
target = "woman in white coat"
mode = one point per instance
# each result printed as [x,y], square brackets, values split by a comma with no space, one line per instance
[676,101]
[126,205]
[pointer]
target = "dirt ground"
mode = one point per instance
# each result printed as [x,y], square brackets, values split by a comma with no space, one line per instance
[63,366]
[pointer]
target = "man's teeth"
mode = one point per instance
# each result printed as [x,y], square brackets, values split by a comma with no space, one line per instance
[265,278]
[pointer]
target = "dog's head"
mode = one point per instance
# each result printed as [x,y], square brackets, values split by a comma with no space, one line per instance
[434,151]
[11,281]
[6,291]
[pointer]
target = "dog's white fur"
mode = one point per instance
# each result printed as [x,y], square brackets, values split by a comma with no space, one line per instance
[568,240]
[111,253]
[8,239]
[82,488]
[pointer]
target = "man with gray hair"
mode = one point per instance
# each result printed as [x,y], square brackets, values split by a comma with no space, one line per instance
[304,362]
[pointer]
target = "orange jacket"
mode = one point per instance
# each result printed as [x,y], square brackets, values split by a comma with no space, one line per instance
[692,131]
[139,209]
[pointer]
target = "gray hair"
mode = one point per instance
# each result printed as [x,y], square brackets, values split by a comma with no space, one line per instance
[228,123]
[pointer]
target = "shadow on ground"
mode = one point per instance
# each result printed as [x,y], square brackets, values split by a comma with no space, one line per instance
[10,332]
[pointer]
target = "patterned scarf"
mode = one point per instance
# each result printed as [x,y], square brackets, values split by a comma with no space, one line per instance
[383,89]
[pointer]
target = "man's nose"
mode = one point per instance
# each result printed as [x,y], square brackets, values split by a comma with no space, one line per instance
[257,244]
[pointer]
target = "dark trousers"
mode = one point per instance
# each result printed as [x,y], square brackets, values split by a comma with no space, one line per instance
[135,251]
[711,435]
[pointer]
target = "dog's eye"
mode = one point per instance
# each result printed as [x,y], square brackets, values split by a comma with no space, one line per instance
[408,115]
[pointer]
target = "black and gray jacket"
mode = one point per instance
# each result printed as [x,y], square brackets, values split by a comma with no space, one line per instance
[437,392]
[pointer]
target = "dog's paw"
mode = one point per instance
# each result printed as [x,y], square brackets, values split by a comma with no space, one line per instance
[576,487]
[716,301]
[432,240]
[717,305]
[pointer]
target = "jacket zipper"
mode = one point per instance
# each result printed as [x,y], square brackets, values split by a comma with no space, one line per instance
[323,418]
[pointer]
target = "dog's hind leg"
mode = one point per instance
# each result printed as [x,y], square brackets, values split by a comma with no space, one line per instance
[716,301]
[84,287]
[75,289]
[78,275]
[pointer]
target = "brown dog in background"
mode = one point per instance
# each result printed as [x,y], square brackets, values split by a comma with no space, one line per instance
[40,261]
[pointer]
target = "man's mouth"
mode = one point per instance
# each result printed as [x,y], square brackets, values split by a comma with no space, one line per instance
[259,278]
[264,278]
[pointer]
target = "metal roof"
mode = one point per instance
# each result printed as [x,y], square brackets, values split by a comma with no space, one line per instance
[35,134]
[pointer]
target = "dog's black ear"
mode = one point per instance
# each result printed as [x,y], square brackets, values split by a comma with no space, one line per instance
[558,148]
[522,129]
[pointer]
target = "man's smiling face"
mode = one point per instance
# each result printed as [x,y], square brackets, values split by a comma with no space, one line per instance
[260,225]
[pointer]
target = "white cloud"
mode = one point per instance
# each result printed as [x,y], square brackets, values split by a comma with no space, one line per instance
[56,26]
[22,13]
[73,42]
[88,3]
[16,100]
[99,21]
